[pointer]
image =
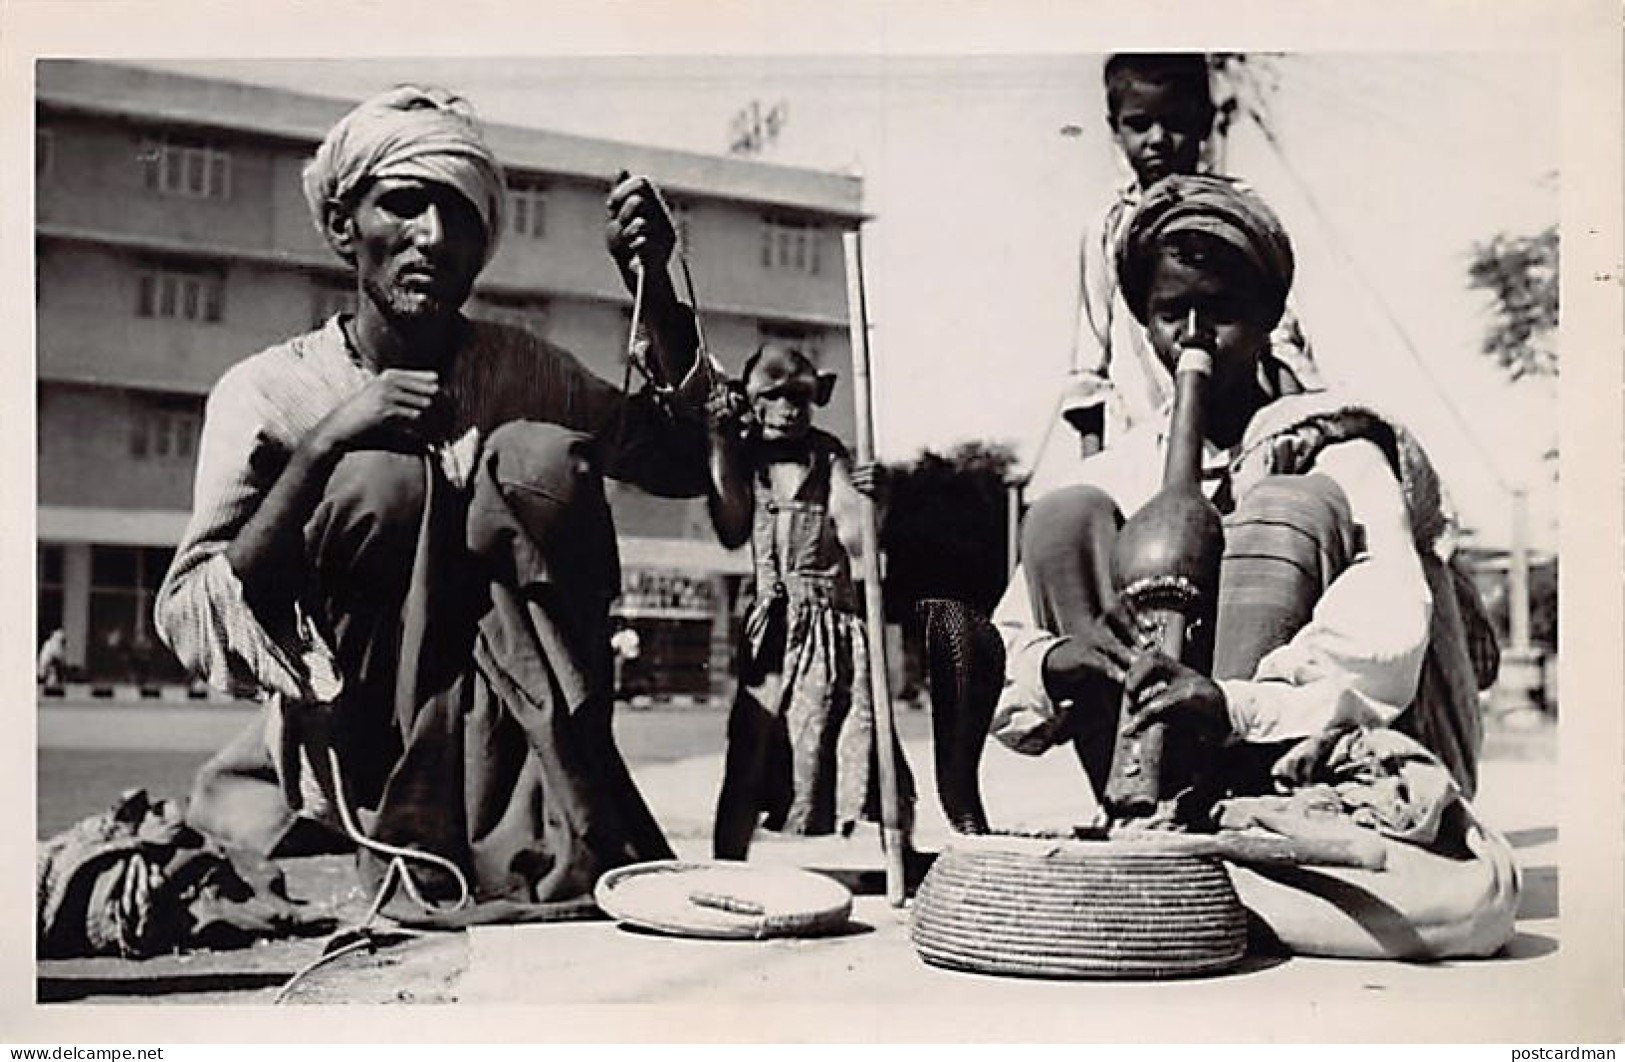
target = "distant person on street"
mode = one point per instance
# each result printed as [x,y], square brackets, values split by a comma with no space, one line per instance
[801,754]
[1160,110]
[401,542]
[53,659]
[627,646]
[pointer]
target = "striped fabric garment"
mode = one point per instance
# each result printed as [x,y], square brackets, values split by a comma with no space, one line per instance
[264,406]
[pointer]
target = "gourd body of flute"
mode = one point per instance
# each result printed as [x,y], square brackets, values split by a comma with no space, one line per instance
[1166,567]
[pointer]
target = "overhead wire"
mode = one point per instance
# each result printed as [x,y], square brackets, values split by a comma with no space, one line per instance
[1401,123]
[1335,238]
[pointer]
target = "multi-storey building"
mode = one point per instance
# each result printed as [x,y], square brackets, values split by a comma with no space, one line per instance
[172,240]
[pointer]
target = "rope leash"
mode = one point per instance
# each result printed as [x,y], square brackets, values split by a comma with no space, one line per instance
[708,363]
[398,873]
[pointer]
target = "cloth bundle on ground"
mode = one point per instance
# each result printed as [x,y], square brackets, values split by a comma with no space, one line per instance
[1372,777]
[1369,777]
[1451,885]
[135,881]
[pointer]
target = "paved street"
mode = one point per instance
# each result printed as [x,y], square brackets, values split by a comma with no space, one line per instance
[872,972]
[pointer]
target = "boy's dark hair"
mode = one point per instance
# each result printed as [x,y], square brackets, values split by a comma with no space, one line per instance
[1185,72]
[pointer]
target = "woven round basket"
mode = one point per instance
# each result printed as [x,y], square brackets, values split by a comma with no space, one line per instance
[1062,908]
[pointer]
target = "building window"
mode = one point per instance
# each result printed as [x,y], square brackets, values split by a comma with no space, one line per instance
[186,292]
[527,208]
[165,429]
[810,341]
[44,154]
[790,245]
[327,299]
[185,166]
[520,311]
[123,582]
[50,585]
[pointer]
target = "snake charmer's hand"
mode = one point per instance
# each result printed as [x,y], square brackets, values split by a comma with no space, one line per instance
[1100,653]
[1160,689]
[638,229]
[399,409]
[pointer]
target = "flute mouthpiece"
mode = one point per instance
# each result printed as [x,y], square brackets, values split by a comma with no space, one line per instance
[1194,359]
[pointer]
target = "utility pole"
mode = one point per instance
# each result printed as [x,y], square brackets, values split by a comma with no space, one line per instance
[1522,678]
[1518,573]
[1012,523]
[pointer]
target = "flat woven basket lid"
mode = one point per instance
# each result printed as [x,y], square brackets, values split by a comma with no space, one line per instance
[1063,908]
[724,900]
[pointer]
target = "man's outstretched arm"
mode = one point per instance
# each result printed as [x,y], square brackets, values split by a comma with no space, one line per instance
[641,237]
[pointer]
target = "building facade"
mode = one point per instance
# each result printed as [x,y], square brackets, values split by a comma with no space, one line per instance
[172,240]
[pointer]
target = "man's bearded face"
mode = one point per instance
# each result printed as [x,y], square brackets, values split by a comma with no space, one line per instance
[418,247]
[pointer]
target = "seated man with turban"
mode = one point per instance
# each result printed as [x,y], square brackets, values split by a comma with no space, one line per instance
[401,543]
[1346,652]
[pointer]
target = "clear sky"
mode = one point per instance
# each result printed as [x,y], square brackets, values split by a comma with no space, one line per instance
[1390,167]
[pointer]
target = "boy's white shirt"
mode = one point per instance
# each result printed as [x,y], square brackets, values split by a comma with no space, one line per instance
[1358,660]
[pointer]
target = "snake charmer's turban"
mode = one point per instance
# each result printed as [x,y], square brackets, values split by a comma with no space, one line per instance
[408,132]
[1218,208]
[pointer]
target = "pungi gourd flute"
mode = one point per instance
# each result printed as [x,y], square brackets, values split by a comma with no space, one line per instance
[1166,568]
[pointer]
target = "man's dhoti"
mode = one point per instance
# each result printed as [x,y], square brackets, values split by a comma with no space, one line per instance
[471,631]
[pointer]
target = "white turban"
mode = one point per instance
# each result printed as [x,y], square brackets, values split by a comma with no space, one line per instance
[412,132]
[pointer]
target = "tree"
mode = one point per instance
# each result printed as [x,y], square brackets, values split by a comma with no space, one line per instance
[1521,275]
[946,528]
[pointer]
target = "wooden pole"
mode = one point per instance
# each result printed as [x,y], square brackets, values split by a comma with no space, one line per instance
[1012,527]
[874,615]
